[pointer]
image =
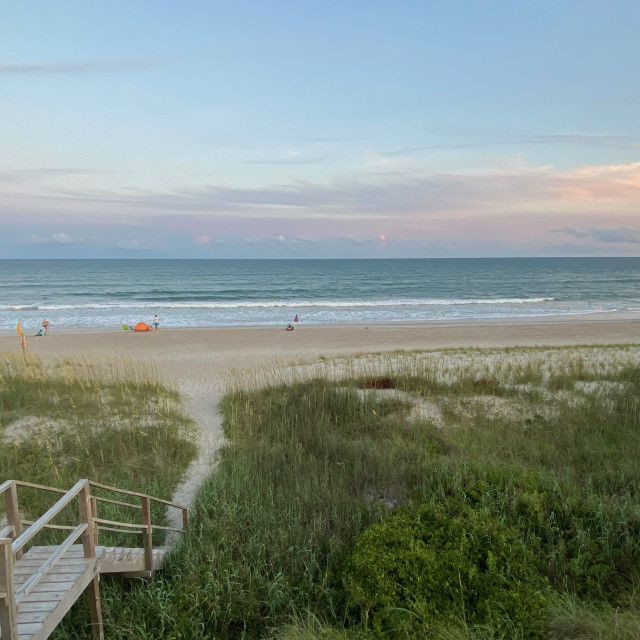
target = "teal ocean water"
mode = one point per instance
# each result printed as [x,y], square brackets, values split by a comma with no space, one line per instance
[203,293]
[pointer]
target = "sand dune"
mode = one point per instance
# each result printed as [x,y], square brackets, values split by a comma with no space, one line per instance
[199,361]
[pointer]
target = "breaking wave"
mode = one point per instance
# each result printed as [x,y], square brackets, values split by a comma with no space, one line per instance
[269,304]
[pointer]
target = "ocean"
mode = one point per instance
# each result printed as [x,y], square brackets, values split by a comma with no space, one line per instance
[209,293]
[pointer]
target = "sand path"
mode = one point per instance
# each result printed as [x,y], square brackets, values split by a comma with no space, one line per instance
[202,404]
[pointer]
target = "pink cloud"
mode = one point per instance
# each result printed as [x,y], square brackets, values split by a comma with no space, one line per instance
[514,204]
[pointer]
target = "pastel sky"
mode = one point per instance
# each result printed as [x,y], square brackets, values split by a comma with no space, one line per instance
[206,129]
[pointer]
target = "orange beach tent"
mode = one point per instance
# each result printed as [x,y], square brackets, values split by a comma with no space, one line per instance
[142,326]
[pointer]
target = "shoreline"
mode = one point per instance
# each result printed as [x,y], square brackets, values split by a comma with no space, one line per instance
[579,318]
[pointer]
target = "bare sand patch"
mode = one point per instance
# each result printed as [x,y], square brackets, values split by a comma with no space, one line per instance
[31,427]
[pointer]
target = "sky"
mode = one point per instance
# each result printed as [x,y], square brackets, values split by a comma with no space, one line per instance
[308,129]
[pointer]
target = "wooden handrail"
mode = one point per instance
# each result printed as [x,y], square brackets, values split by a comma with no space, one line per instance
[157,527]
[62,527]
[50,561]
[129,525]
[43,522]
[5,485]
[114,530]
[21,540]
[7,532]
[123,504]
[138,527]
[133,493]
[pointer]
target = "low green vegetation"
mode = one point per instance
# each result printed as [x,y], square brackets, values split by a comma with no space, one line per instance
[112,422]
[409,562]
[338,512]
[475,495]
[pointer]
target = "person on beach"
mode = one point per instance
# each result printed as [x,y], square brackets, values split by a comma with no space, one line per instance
[156,323]
[290,327]
[45,326]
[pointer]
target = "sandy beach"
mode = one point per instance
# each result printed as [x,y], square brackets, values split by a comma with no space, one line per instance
[198,356]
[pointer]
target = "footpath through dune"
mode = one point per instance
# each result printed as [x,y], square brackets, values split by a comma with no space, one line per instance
[202,405]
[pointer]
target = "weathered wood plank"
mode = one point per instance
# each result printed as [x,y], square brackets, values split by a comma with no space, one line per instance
[61,577]
[28,628]
[55,570]
[33,563]
[34,596]
[53,587]
[64,599]
[75,551]
[45,606]
[28,617]
[57,554]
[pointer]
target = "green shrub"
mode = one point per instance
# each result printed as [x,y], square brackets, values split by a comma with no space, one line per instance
[586,543]
[438,562]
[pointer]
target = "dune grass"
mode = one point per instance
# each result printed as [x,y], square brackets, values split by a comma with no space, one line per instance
[109,421]
[316,461]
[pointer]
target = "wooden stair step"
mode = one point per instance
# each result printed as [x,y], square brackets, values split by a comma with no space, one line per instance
[43,608]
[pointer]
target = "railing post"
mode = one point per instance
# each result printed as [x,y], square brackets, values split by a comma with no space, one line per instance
[13,512]
[88,543]
[185,519]
[94,515]
[8,609]
[147,533]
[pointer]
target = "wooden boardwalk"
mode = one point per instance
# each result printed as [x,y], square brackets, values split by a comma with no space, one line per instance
[39,584]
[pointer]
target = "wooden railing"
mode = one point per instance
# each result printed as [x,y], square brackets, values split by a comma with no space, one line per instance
[14,537]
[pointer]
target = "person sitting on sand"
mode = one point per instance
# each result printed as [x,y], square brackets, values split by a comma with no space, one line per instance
[41,333]
[290,327]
